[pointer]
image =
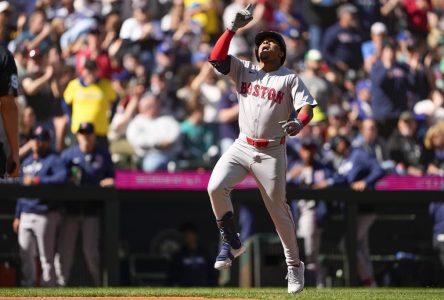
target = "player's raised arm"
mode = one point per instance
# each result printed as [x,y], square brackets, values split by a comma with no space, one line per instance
[219,55]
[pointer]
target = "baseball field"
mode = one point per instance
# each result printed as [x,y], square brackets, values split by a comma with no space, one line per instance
[219,293]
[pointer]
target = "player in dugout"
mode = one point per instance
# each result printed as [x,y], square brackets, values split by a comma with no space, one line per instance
[268,94]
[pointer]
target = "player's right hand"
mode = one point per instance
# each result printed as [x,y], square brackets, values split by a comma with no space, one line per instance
[15,225]
[242,18]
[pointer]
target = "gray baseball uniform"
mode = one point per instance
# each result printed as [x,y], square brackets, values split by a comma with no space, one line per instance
[264,100]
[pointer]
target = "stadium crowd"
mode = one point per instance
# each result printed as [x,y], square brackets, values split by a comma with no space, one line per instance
[135,75]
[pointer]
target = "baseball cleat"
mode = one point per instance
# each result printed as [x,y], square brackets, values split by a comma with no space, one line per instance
[226,256]
[295,277]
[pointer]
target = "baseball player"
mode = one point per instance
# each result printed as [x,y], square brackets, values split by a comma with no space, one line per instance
[9,149]
[268,94]
[36,220]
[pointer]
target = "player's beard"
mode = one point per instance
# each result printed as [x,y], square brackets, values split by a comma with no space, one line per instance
[264,55]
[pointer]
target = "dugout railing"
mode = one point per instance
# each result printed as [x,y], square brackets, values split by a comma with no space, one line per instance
[112,198]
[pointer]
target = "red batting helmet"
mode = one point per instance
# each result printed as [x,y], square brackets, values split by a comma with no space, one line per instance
[275,36]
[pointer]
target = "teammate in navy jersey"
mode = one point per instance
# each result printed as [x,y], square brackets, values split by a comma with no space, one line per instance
[87,164]
[36,220]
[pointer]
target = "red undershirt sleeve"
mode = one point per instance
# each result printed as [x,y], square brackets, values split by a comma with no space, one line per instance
[220,50]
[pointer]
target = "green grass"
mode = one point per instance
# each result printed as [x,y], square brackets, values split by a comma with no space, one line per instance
[255,293]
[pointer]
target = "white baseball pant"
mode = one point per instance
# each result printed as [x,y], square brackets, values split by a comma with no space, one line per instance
[268,167]
[37,235]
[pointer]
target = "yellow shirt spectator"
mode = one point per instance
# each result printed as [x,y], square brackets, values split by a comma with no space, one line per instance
[90,104]
[206,13]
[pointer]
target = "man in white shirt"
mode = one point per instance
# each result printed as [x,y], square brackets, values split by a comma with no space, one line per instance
[154,137]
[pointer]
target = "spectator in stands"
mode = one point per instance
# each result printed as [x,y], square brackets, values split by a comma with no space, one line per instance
[314,80]
[155,138]
[92,50]
[198,140]
[391,82]
[37,85]
[373,144]
[434,150]
[417,11]
[361,108]
[36,35]
[338,122]
[162,86]
[319,16]
[90,99]
[86,163]
[296,48]
[27,124]
[206,13]
[126,110]
[404,148]
[192,264]
[369,12]
[77,22]
[371,50]
[208,85]
[342,41]
[359,170]
[140,27]
[309,214]
[432,108]
[36,220]
[42,88]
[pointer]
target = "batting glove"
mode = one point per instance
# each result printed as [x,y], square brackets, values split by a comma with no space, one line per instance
[292,126]
[242,18]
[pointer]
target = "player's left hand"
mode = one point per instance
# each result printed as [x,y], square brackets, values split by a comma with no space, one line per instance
[242,18]
[291,126]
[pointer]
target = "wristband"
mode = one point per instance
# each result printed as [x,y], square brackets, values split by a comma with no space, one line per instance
[304,118]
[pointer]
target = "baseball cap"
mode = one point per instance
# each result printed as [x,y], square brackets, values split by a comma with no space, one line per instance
[41,134]
[346,9]
[5,6]
[378,28]
[363,84]
[164,48]
[313,55]
[403,36]
[86,128]
[35,53]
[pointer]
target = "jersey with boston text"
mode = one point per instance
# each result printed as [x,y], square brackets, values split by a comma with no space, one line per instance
[266,98]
